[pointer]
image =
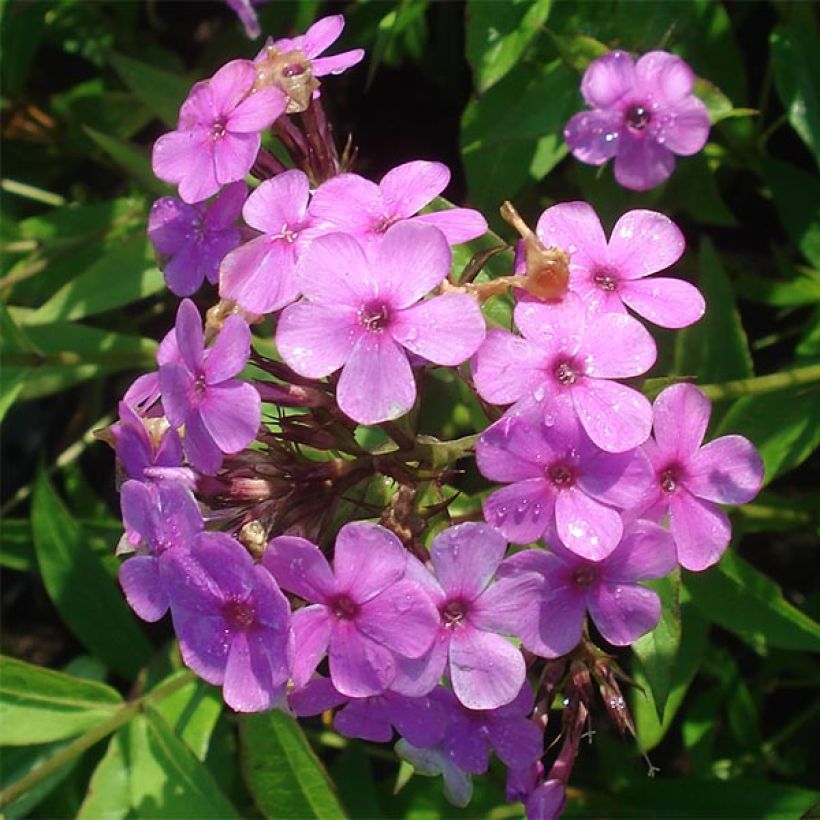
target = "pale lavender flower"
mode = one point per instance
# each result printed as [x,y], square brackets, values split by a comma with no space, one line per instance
[220,413]
[643,114]
[559,479]
[611,275]
[621,608]
[157,519]
[232,621]
[260,276]
[195,238]
[570,355]
[363,312]
[363,613]
[217,138]
[691,480]
[458,785]
[366,210]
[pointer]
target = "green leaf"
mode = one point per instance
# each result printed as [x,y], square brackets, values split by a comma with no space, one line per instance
[281,769]
[125,274]
[717,103]
[796,65]
[498,34]
[578,50]
[162,91]
[109,794]
[737,597]
[131,159]
[21,30]
[89,601]
[784,426]
[796,285]
[510,137]
[715,348]
[658,650]
[40,705]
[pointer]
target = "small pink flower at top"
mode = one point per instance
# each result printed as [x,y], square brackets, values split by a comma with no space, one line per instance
[691,480]
[360,207]
[613,275]
[217,138]
[195,238]
[245,11]
[364,311]
[643,114]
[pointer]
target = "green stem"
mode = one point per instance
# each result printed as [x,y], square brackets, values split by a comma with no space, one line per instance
[91,737]
[810,374]
[70,358]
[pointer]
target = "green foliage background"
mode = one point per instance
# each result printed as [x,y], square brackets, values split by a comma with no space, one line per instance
[97,718]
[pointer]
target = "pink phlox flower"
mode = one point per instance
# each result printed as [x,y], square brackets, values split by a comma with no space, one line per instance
[363,613]
[232,621]
[486,669]
[317,39]
[420,720]
[612,275]
[157,519]
[643,114]
[620,607]
[559,479]
[366,210]
[568,356]
[218,135]
[691,480]
[363,312]
[220,413]
[195,238]
[260,276]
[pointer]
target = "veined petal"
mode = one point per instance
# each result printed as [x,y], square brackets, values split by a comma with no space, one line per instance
[644,242]
[200,448]
[367,559]
[559,625]
[407,188]
[586,527]
[256,671]
[359,667]
[681,416]
[665,73]
[608,79]
[646,551]
[665,302]
[457,224]
[278,202]
[311,635]
[140,581]
[617,346]
[594,136]
[507,368]
[465,558]
[557,328]
[299,566]
[503,604]
[334,269]
[229,353]
[230,84]
[574,227]
[231,412]
[190,340]
[349,202]
[322,34]
[616,418]
[700,528]
[728,470]
[623,612]
[258,111]
[685,128]
[521,511]
[170,223]
[642,164]
[234,155]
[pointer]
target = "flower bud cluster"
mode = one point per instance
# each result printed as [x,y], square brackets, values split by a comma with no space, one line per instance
[240,465]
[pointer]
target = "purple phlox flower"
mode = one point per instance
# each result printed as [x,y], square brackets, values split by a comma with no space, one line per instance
[363,312]
[621,608]
[317,39]
[691,480]
[486,669]
[362,613]
[221,414]
[559,479]
[195,237]
[643,114]
[521,782]
[260,276]
[569,354]
[543,800]
[158,519]
[420,720]
[217,138]
[232,621]
[245,11]
[610,276]
[358,206]
[458,785]
[149,449]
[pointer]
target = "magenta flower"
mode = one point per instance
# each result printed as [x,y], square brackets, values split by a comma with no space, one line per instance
[217,138]
[195,237]
[232,621]
[364,310]
[486,670]
[692,480]
[220,414]
[643,114]
[260,276]
[569,355]
[611,276]
[158,518]
[357,206]
[363,613]
[621,608]
[560,479]
[245,11]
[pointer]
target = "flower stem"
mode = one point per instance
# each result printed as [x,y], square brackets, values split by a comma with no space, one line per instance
[810,374]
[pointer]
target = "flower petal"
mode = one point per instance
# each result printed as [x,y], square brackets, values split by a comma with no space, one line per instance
[311,636]
[506,368]
[338,63]
[256,672]
[681,416]
[521,511]
[359,667]
[700,528]
[465,558]
[229,353]
[278,202]
[177,386]
[503,604]
[642,164]
[367,559]
[512,449]
[407,188]
[728,470]
[594,136]
[665,302]
[559,625]
[517,742]
[258,111]
[232,412]
[457,224]
[299,566]
[624,612]
[586,527]
[616,418]
[575,227]
[685,128]
[419,676]
[322,34]
[349,202]
[200,448]
[557,328]
[608,79]
[140,581]
[170,223]
[234,155]
[230,85]
[666,74]
[644,242]
[646,551]
[188,332]
[334,269]
[617,346]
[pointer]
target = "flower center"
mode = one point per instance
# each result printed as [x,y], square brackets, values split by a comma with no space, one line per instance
[239,614]
[200,386]
[566,374]
[289,234]
[605,281]
[218,130]
[585,575]
[561,476]
[383,223]
[669,479]
[454,612]
[293,70]
[637,118]
[374,317]
[344,607]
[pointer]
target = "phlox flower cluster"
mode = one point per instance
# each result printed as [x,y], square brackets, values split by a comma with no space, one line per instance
[239,460]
